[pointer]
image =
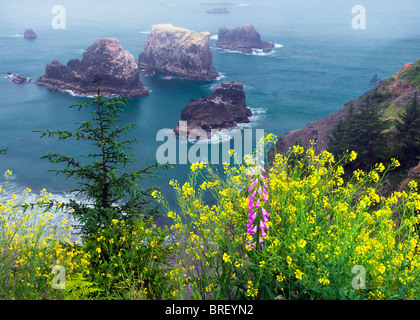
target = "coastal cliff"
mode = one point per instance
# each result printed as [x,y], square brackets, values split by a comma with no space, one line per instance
[223,109]
[243,39]
[105,64]
[178,52]
[392,94]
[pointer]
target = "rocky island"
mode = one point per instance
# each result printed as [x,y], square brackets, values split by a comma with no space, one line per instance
[29,34]
[178,52]
[17,79]
[105,64]
[225,108]
[243,39]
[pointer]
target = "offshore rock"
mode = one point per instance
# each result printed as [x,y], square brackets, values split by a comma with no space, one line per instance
[178,52]
[17,79]
[218,11]
[242,39]
[229,85]
[223,109]
[105,64]
[29,34]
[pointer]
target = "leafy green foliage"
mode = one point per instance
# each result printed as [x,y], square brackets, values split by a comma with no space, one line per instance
[81,289]
[408,134]
[130,259]
[412,75]
[363,132]
[340,137]
[111,193]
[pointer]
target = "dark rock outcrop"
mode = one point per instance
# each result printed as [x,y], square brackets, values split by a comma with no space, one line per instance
[105,64]
[29,34]
[413,175]
[178,52]
[223,109]
[398,91]
[218,11]
[17,79]
[243,39]
[229,85]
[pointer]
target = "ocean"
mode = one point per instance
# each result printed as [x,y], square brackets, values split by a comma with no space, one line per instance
[320,62]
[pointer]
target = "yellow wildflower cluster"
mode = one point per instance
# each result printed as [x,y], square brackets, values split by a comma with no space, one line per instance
[322,224]
[31,245]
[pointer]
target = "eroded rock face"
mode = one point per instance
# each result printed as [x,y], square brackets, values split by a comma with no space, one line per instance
[105,64]
[242,39]
[178,52]
[223,109]
[29,34]
[400,87]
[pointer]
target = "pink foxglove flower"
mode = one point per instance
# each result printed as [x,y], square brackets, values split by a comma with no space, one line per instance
[265,198]
[252,217]
[250,204]
[263,234]
[252,196]
[258,217]
[253,231]
[265,215]
[263,226]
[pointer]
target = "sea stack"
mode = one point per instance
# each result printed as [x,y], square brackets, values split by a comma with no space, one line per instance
[105,64]
[178,52]
[29,34]
[225,108]
[243,39]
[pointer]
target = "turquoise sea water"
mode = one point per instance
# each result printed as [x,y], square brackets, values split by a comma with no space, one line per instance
[320,62]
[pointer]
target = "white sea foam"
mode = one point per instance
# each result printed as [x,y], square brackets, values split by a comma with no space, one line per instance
[216,137]
[255,51]
[243,5]
[260,52]
[18,36]
[145,32]
[58,215]
[214,37]
[257,114]
[221,76]
[228,51]
[72,93]
[225,135]
[9,76]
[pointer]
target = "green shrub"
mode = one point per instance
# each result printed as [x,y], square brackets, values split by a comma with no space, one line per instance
[323,232]
[130,260]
